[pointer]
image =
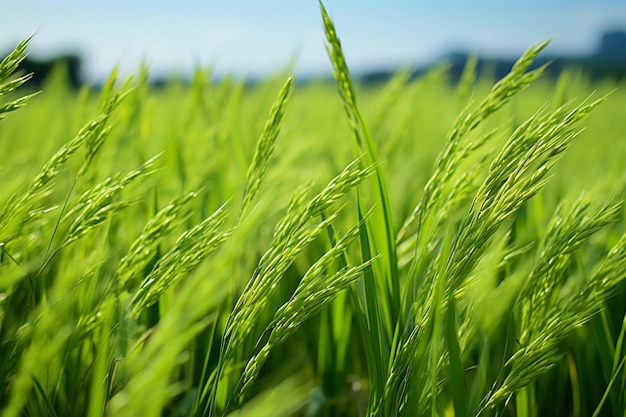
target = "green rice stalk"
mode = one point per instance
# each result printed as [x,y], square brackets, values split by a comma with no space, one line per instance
[17,103]
[94,141]
[616,373]
[11,62]
[41,341]
[161,351]
[291,236]
[517,173]
[191,248]
[380,225]
[100,383]
[457,372]
[100,203]
[456,149]
[142,250]
[316,289]
[604,279]
[565,234]
[606,349]
[7,67]
[412,381]
[42,393]
[152,366]
[265,147]
[369,317]
[605,345]
[12,217]
[540,353]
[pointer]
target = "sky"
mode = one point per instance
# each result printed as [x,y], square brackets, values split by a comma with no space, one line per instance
[256,38]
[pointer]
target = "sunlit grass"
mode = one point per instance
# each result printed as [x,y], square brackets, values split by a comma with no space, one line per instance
[216,249]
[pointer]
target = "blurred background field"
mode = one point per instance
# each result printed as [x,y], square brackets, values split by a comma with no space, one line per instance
[207,128]
[253,40]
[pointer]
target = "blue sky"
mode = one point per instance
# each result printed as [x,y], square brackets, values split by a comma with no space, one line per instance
[260,37]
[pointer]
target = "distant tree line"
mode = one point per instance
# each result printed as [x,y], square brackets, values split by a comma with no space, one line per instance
[41,68]
[609,60]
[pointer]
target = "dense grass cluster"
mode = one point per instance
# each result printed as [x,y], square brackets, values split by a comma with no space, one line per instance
[214,249]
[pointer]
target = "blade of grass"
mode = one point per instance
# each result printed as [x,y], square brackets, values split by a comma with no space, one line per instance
[457,373]
[616,373]
[380,226]
[265,147]
[374,337]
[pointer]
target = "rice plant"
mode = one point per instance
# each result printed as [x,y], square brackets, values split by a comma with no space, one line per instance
[212,249]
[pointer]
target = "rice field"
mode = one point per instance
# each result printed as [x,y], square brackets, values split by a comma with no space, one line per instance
[217,249]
